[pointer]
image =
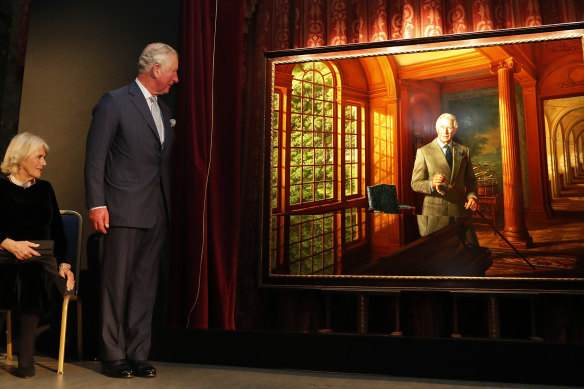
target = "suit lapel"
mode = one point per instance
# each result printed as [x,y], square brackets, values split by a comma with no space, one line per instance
[456,159]
[168,135]
[137,98]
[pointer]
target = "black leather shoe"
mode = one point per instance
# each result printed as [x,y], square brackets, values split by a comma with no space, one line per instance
[117,369]
[143,369]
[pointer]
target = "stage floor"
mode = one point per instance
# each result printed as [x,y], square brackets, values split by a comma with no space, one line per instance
[87,375]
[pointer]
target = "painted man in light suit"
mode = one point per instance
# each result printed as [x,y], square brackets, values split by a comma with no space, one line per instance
[127,190]
[444,159]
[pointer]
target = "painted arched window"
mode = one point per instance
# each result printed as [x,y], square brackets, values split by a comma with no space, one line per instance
[318,164]
[313,153]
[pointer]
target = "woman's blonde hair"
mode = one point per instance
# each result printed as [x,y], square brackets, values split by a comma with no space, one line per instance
[20,148]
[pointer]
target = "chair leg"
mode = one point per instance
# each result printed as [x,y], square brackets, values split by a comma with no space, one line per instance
[9,334]
[79,330]
[63,332]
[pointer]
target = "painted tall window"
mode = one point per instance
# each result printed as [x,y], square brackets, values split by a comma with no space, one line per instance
[276,148]
[313,244]
[318,169]
[312,241]
[312,134]
[351,163]
[354,225]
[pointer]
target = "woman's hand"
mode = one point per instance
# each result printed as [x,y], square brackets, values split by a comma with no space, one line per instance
[22,249]
[65,272]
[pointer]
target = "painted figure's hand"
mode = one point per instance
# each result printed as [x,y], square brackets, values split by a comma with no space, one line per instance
[437,180]
[471,203]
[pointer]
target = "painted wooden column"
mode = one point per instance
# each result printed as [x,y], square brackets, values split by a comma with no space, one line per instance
[515,229]
[405,155]
[536,155]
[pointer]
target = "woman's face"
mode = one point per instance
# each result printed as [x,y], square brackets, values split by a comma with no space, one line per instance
[32,167]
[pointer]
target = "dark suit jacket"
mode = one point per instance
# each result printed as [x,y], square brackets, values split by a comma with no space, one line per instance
[430,160]
[126,168]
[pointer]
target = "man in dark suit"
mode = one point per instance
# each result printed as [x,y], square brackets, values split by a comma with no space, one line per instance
[442,158]
[127,191]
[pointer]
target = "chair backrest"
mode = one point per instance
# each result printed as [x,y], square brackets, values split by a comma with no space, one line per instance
[383,198]
[73,225]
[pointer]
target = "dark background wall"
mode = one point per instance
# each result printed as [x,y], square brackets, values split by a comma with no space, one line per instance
[12,44]
[76,51]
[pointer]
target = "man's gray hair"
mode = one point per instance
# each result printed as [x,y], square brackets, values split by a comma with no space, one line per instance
[445,116]
[154,53]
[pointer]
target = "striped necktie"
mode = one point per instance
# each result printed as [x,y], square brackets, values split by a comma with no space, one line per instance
[157,118]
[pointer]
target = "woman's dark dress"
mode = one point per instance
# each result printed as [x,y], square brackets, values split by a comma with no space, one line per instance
[32,285]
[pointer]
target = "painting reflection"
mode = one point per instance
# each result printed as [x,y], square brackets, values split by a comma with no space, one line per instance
[360,242]
[357,241]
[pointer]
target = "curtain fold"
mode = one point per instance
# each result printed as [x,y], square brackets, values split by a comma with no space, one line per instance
[207,166]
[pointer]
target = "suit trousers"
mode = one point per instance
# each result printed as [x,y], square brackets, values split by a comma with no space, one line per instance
[129,278]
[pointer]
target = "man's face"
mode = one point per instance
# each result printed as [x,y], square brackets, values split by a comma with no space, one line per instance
[445,130]
[166,75]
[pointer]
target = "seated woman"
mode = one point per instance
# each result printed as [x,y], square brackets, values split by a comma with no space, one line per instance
[30,283]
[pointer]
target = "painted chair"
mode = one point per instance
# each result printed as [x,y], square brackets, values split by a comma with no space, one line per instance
[383,198]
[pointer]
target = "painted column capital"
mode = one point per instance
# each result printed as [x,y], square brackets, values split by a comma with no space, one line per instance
[507,63]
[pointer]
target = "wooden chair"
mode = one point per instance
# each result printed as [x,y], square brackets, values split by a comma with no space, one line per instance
[72,223]
[8,333]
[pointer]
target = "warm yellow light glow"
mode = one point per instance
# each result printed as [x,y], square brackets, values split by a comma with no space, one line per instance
[383,148]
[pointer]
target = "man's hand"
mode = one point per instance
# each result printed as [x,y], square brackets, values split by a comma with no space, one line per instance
[471,203]
[99,218]
[22,249]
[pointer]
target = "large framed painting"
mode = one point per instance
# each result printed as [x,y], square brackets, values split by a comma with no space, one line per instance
[343,128]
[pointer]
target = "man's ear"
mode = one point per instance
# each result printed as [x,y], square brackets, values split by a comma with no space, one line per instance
[155,71]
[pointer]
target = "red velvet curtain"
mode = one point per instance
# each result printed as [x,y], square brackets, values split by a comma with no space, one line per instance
[207,165]
[304,23]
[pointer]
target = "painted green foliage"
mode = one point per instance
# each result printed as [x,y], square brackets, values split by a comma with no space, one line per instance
[311,136]
[479,129]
